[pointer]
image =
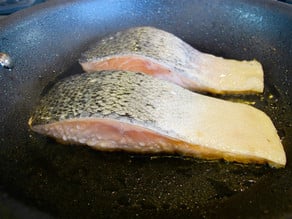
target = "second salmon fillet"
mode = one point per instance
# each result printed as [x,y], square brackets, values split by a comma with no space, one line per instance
[163,55]
[120,110]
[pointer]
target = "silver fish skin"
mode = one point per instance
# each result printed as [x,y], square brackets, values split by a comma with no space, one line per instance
[121,110]
[163,55]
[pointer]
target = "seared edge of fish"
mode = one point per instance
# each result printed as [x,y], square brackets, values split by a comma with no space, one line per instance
[119,110]
[162,54]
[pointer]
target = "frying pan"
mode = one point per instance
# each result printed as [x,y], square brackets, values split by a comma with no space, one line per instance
[41,178]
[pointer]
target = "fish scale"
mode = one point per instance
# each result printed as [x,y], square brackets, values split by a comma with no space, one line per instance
[102,96]
[141,41]
[122,110]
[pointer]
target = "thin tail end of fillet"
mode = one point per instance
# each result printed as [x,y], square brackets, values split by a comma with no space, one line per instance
[229,76]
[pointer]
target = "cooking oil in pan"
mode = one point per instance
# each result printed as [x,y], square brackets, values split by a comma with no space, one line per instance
[79,181]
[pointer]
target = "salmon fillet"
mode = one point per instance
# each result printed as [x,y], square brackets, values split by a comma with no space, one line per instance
[163,55]
[121,110]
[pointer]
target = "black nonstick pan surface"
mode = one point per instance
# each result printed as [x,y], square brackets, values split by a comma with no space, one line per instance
[41,178]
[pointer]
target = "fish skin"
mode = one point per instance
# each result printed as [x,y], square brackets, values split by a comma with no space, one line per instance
[120,110]
[167,56]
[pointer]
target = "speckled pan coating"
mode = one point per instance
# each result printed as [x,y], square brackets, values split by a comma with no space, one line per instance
[68,182]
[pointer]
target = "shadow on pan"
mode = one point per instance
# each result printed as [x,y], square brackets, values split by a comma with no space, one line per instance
[53,180]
